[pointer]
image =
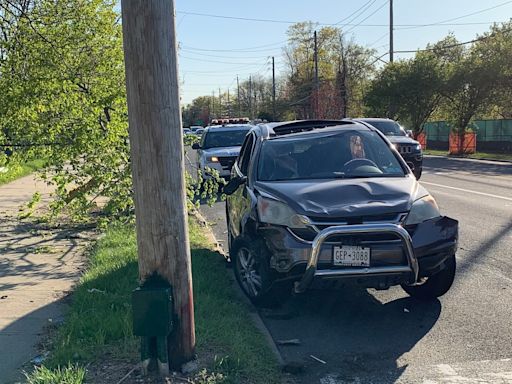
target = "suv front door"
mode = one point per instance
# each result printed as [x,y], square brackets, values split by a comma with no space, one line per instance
[239,202]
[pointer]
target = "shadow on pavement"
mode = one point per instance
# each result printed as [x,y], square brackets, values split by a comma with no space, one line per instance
[471,259]
[359,337]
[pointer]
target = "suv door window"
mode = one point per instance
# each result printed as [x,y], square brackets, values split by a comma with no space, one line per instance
[245,154]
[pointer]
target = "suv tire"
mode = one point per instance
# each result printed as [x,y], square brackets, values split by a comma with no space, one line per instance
[251,265]
[436,285]
[417,172]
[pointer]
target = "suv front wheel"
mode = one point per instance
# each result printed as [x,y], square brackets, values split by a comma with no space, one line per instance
[253,273]
[436,285]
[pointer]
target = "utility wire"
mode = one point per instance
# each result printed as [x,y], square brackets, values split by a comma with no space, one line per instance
[460,17]
[365,6]
[216,61]
[223,56]
[455,45]
[370,15]
[356,11]
[235,49]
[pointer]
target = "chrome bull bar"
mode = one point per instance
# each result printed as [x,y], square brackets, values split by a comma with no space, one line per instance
[386,228]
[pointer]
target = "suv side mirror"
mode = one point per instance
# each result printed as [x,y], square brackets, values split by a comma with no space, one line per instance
[409,133]
[196,146]
[233,184]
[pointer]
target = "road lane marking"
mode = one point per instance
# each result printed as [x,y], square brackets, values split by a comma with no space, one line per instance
[469,190]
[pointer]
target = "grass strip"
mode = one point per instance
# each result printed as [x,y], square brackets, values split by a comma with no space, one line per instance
[99,320]
[477,155]
[14,171]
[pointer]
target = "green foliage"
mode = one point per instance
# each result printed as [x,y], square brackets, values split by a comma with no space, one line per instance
[478,76]
[14,170]
[62,92]
[71,374]
[100,317]
[451,81]
[408,90]
[62,97]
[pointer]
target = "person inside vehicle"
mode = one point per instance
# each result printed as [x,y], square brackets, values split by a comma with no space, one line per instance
[357,147]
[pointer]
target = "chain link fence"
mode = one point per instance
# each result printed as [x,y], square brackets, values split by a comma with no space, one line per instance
[491,135]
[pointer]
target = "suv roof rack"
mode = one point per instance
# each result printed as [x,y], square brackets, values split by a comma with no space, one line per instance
[306,125]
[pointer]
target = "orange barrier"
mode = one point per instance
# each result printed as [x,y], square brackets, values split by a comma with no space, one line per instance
[422,139]
[462,144]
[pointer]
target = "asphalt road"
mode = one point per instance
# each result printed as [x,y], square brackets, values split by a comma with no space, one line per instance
[368,336]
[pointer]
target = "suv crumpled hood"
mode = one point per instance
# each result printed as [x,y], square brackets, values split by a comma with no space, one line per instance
[222,151]
[345,197]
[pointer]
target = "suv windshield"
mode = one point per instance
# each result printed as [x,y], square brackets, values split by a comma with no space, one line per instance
[389,128]
[234,138]
[347,154]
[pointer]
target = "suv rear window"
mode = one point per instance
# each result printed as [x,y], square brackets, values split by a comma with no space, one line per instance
[347,154]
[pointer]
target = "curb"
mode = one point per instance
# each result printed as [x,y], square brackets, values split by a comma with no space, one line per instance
[253,313]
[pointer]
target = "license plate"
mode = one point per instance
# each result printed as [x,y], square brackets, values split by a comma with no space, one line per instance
[351,256]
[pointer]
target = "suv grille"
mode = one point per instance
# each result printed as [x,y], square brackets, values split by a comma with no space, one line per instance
[405,149]
[227,161]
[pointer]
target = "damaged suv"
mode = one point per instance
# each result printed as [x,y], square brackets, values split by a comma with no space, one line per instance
[310,201]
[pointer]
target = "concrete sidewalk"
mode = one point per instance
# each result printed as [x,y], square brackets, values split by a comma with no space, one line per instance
[39,265]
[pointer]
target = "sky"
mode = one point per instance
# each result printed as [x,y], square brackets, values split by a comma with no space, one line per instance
[214,50]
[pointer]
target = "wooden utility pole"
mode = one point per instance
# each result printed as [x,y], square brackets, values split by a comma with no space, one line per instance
[229,106]
[316,85]
[390,31]
[220,104]
[238,96]
[213,104]
[157,160]
[250,98]
[273,89]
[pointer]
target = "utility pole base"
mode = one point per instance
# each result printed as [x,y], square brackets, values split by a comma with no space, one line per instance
[153,350]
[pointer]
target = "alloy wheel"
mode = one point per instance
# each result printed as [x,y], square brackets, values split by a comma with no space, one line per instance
[250,277]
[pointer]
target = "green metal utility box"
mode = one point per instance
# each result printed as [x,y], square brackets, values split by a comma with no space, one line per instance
[152,311]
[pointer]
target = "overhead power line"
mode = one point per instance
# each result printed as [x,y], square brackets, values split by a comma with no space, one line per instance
[217,61]
[442,22]
[359,12]
[366,18]
[240,50]
[455,45]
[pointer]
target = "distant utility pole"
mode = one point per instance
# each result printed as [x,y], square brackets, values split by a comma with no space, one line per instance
[250,98]
[273,89]
[229,106]
[213,104]
[390,31]
[157,162]
[238,96]
[220,104]
[315,58]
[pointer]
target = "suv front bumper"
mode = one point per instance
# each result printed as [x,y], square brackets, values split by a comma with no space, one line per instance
[417,252]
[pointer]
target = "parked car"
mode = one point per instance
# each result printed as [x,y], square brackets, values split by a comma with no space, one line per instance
[310,201]
[199,131]
[409,148]
[219,148]
[187,131]
[194,128]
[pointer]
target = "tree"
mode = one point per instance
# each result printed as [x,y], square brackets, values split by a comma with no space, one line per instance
[475,79]
[62,93]
[408,90]
[198,112]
